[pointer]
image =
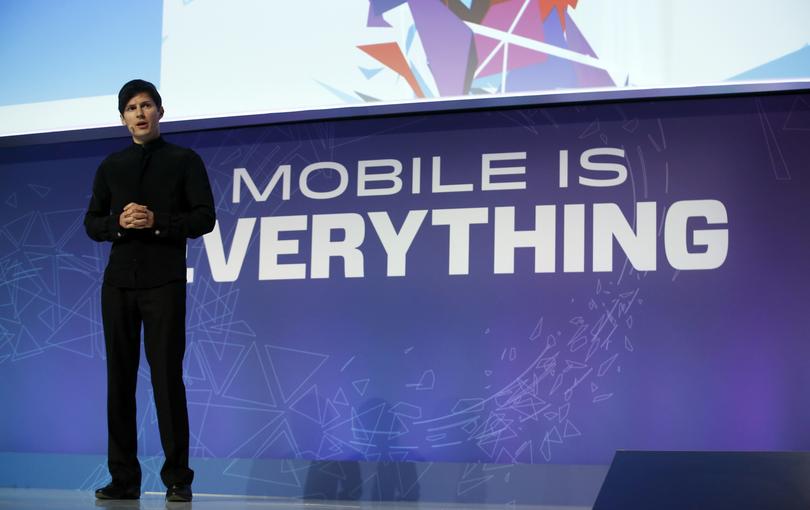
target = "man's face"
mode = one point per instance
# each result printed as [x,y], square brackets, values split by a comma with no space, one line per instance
[141,116]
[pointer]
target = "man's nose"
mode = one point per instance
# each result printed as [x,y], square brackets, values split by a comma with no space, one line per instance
[140,112]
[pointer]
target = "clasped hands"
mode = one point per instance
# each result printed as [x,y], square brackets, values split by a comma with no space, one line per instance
[136,216]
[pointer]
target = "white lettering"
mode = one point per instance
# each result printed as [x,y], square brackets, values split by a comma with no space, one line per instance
[715,240]
[393,177]
[282,174]
[574,238]
[227,269]
[639,246]
[487,171]
[459,221]
[324,248]
[396,244]
[507,239]
[343,180]
[270,247]
[586,163]
[438,187]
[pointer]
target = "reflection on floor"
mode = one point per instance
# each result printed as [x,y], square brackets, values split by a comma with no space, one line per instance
[51,499]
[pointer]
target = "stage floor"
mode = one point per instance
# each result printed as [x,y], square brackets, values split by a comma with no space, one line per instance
[51,499]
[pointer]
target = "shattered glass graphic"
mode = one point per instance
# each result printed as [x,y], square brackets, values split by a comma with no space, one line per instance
[456,48]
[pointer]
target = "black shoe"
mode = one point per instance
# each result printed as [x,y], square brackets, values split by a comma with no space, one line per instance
[113,491]
[179,492]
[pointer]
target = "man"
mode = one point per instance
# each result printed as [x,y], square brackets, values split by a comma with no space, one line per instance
[147,199]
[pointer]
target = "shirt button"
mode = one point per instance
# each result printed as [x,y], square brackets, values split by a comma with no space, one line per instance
[157,232]
[118,234]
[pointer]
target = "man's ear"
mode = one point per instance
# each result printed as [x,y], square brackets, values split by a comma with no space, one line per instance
[161,113]
[124,122]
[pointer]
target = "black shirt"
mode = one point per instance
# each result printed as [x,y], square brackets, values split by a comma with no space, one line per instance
[171,181]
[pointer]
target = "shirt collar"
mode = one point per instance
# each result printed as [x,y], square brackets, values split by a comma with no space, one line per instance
[151,146]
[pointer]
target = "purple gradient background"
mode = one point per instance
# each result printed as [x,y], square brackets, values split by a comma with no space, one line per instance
[706,360]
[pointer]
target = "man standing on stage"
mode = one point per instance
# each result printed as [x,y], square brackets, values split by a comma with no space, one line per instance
[147,199]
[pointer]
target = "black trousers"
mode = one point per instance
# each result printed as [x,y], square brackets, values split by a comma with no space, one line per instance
[162,312]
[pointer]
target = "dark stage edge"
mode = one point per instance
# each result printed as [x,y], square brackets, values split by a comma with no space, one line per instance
[60,499]
[430,484]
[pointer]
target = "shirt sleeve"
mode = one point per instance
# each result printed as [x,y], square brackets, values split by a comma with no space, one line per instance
[99,223]
[201,215]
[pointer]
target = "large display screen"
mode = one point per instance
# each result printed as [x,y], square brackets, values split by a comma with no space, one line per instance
[539,284]
[64,62]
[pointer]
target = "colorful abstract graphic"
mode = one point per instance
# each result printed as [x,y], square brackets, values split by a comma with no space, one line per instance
[458,47]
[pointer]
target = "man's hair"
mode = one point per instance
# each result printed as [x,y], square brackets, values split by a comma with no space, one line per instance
[134,87]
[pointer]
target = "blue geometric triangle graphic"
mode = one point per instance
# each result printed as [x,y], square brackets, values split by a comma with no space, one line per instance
[292,368]
[220,360]
[17,228]
[360,386]
[250,382]
[308,405]
[42,191]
